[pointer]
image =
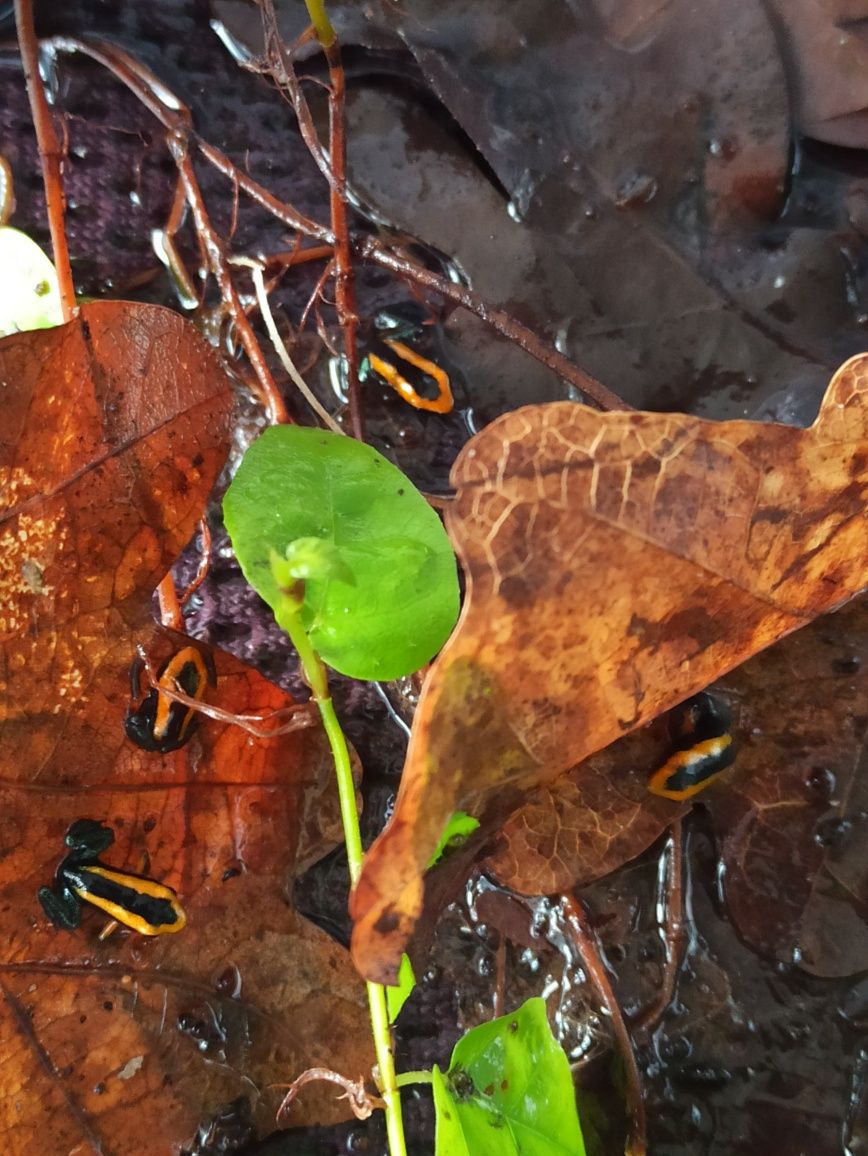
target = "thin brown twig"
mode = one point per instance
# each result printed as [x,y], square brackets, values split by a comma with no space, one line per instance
[50,155]
[167,108]
[278,65]
[315,295]
[299,255]
[176,118]
[577,924]
[268,391]
[301,715]
[360,1101]
[204,562]
[370,249]
[167,251]
[672,930]
[345,291]
[334,168]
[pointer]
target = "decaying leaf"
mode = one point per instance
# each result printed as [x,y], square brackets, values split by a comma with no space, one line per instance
[587,823]
[116,428]
[827,39]
[791,822]
[790,814]
[616,563]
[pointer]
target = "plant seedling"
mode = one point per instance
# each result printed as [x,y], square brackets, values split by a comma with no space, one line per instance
[360,573]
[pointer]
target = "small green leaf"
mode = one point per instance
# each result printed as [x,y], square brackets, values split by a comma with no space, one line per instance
[459,828]
[508,1091]
[398,994]
[370,523]
[29,294]
[313,558]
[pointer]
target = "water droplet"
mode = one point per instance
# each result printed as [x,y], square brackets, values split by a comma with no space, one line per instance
[635,189]
[821,783]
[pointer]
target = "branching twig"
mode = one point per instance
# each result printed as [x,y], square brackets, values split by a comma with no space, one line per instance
[370,249]
[204,562]
[279,347]
[269,393]
[171,111]
[334,169]
[301,715]
[50,155]
[360,1101]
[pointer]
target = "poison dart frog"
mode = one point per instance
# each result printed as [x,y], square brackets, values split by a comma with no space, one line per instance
[700,730]
[140,903]
[159,723]
[400,366]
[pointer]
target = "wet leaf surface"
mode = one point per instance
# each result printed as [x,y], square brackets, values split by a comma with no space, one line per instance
[646,157]
[689,546]
[792,821]
[116,428]
[828,46]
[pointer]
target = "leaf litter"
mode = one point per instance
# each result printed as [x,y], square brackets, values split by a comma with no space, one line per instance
[117,427]
[795,390]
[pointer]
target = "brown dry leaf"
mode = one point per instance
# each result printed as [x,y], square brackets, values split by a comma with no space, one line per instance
[790,816]
[616,563]
[118,426]
[792,820]
[588,823]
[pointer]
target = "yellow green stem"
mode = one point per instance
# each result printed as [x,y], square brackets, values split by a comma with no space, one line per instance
[325,34]
[289,618]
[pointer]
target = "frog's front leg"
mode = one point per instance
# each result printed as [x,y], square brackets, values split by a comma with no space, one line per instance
[62,906]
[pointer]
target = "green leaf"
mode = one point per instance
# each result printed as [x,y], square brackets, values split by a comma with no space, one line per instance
[459,828]
[398,994]
[450,1139]
[508,1092]
[29,294]
[385,596]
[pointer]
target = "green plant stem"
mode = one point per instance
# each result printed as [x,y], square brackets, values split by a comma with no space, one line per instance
[407,1079]
[317,678]
[325,34]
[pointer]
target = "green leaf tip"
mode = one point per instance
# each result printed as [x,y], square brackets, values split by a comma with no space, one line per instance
[29,292]
[508,1091]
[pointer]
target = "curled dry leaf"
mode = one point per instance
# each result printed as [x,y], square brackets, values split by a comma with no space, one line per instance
[616,563]
[116,428]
